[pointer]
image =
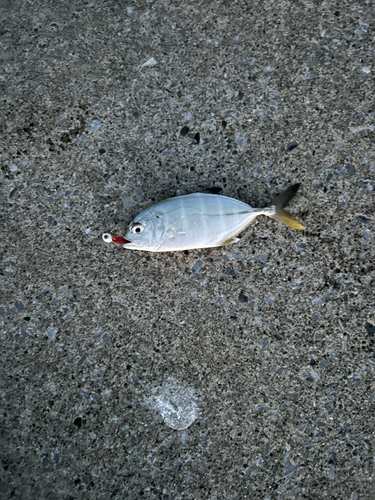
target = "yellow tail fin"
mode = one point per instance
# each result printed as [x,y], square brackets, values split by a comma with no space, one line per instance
[286,218]
[282,215]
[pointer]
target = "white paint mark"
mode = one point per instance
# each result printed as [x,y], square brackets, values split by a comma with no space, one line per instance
[176,402]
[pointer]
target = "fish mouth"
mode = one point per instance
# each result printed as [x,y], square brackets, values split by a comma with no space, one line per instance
[118,240]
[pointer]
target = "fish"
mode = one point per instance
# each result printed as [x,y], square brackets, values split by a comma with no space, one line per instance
[198,220]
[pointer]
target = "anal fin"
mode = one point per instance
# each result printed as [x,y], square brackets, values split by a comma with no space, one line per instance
[229,241]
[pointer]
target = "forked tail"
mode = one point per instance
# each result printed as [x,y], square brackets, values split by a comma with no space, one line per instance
[282,215]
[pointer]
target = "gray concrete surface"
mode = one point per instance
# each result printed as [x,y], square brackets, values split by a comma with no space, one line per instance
[273,336]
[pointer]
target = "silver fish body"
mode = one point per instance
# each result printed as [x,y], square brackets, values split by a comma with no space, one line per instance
[199,220]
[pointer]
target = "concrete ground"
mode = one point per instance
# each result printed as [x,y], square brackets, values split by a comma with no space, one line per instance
[107,107]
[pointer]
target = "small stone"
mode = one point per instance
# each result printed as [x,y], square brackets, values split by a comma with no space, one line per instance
[263,258]
[350,169]
[82,360]
[240,141]
[270,299]
[370,329]
[363,220]
[239,39]
[95,125]
[93,398]
[292,145]
[289,468]
[18,306]
[239,256]
[363,25]
[51,334]
[371,128]
[366,236]
[151,62]
[254,466]
[95,472]
[128,202]
[197,267]
[331,473]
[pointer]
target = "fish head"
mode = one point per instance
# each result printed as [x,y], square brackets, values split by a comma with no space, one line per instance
[145,232]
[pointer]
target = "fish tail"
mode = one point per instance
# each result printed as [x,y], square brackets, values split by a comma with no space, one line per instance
[278,213]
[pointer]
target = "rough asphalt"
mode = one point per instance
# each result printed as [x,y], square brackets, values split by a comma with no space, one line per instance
[241,372]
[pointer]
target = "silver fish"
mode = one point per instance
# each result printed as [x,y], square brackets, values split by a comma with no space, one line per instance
[198,220]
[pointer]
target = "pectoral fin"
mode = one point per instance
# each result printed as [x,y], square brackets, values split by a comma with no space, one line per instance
[180,225]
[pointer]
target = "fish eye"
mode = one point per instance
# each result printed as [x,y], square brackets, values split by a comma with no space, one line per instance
[107,237]
[136,228]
